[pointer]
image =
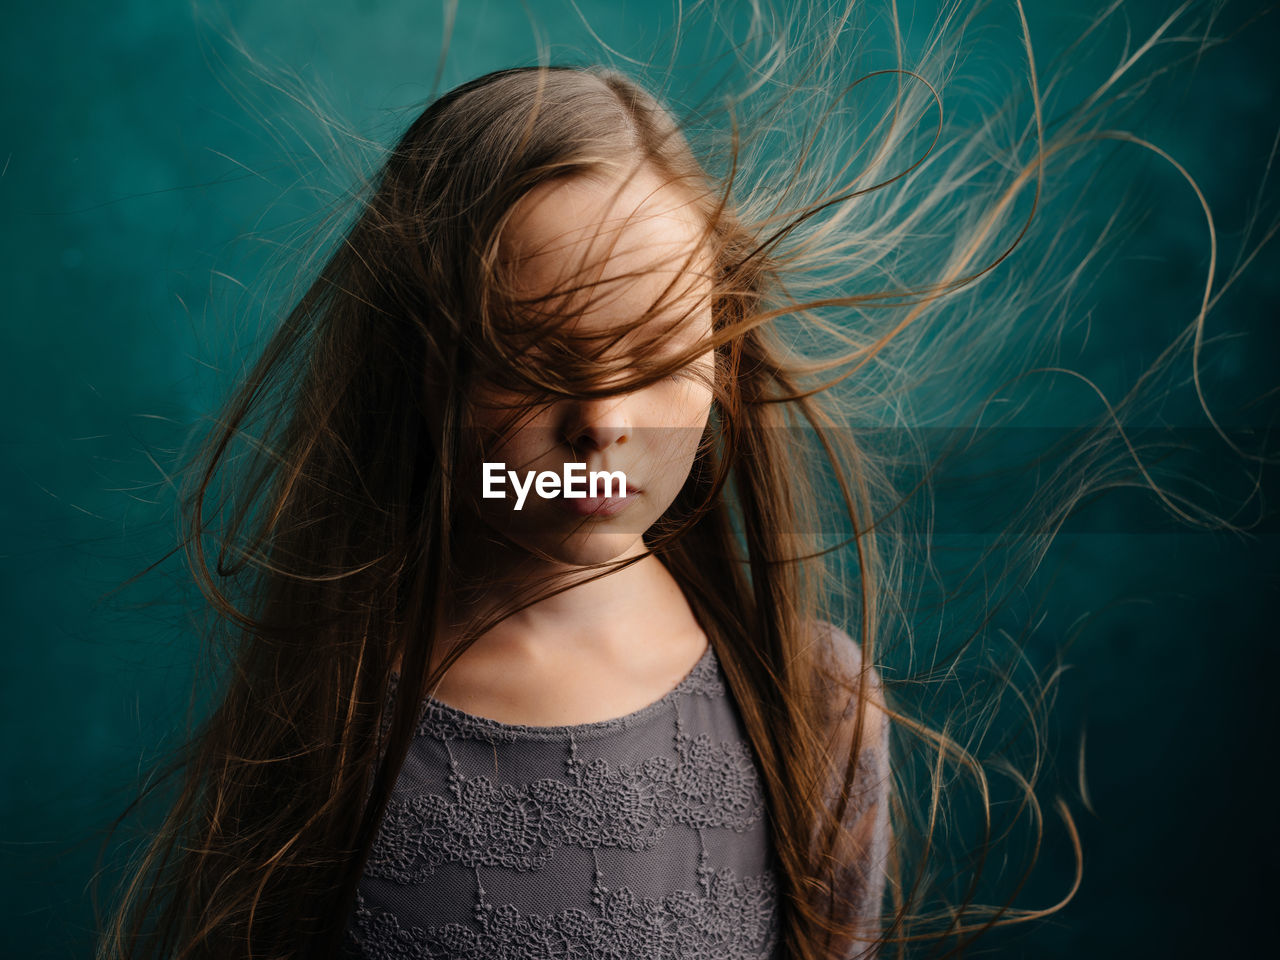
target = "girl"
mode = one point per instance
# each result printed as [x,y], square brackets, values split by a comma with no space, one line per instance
[471,714]
[639,738]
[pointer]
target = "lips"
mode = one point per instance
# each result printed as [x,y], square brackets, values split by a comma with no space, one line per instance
[600,507]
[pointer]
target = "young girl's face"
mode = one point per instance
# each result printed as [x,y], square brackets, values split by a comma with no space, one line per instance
[604,253]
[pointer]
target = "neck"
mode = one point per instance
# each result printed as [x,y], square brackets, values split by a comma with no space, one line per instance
[613,605]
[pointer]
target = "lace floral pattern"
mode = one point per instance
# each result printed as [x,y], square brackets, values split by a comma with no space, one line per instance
[734,920]
[709,784]
[681,762]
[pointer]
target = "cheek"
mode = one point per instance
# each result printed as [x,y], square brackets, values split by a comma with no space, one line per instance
[705,396]
[506,426]
[694,407]
[673,444]
[683,400]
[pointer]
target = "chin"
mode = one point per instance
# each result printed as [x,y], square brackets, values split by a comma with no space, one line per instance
[583,549]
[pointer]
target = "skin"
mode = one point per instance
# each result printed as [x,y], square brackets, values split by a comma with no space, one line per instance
[608,647]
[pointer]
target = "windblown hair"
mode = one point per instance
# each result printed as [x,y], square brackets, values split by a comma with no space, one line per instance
[336,546]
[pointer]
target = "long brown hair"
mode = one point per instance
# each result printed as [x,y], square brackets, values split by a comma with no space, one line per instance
[336,545]
[349,559]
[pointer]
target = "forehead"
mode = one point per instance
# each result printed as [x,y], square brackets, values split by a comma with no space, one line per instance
[605,250]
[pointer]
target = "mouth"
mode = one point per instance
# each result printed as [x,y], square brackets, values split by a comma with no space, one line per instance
[600,507]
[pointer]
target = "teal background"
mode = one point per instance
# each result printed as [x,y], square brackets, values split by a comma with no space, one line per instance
[139,188]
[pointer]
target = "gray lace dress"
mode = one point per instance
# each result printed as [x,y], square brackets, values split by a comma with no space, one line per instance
[639,837]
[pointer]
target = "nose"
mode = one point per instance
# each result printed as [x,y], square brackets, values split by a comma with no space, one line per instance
[599,423]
